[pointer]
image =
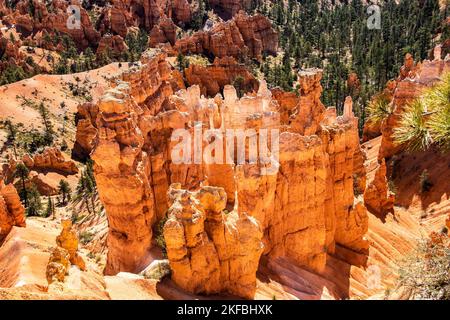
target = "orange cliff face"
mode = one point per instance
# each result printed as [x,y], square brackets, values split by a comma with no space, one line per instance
[306,209]
[213,78]
[243,35]
[52,20]
[12,213]
[210,251]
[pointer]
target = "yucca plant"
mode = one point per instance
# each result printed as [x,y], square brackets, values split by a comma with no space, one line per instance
[379,109]
[426,121]
[440,128]
[412,130]
[439,124]
[438,97]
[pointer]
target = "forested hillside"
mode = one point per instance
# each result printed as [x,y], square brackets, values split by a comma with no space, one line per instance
[336,38]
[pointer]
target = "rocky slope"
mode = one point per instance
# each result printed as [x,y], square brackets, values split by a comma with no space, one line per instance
[242,36]
[134,122]
[229,222]
[313,215]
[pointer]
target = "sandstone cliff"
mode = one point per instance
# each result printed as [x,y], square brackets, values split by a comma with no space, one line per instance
[213,78]
[122,167]
[12,213]
[52,18]
[211,251]
[228,8]
[242,36]
[305,207]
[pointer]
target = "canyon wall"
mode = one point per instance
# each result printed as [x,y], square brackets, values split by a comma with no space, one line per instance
[241,36]
[12,213]
[213,78]
[211,251]
[228,8]
[302,202]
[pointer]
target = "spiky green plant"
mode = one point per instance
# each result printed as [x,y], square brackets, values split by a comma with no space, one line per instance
[412,130]
[438,100]
[440,128]
[426,120]
[379,109]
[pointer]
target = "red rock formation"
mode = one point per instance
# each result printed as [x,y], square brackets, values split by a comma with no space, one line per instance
[68,240]
[165,31]
[213,78]
[51,159]
[64,254]
[12,213]
[11,54]
[86,130]
[122,167]
[58,265]
[116,19]
[242,36]
[112,46]
[341,141]
[306,119]
[228,8]
[121,16]
[210,251]
[305,207]
[54,18]
[377,197]
[287,102]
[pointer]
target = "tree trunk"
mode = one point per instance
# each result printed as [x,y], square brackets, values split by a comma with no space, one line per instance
[25,196]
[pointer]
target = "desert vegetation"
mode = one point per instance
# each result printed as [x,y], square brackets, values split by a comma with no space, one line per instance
[426,120]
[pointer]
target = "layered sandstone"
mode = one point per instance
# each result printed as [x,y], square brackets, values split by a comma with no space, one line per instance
[64,254]
[310,110]
[12,213]
[211,251]
[242,36]
[122,167]
[378,198]
[68,240]
[228,8]
[164,32]
[122,16]
[51,159]
[213,78]
[58,265]
[302,196]
[53,18]
[112,46]
[86,130]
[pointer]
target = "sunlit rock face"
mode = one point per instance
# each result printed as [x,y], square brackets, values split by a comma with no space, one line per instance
[213,78]
[297,202]
[12,212]
[228,8]
[211,251]
[243,35]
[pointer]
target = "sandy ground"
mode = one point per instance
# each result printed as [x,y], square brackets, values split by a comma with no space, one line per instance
[52,90]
